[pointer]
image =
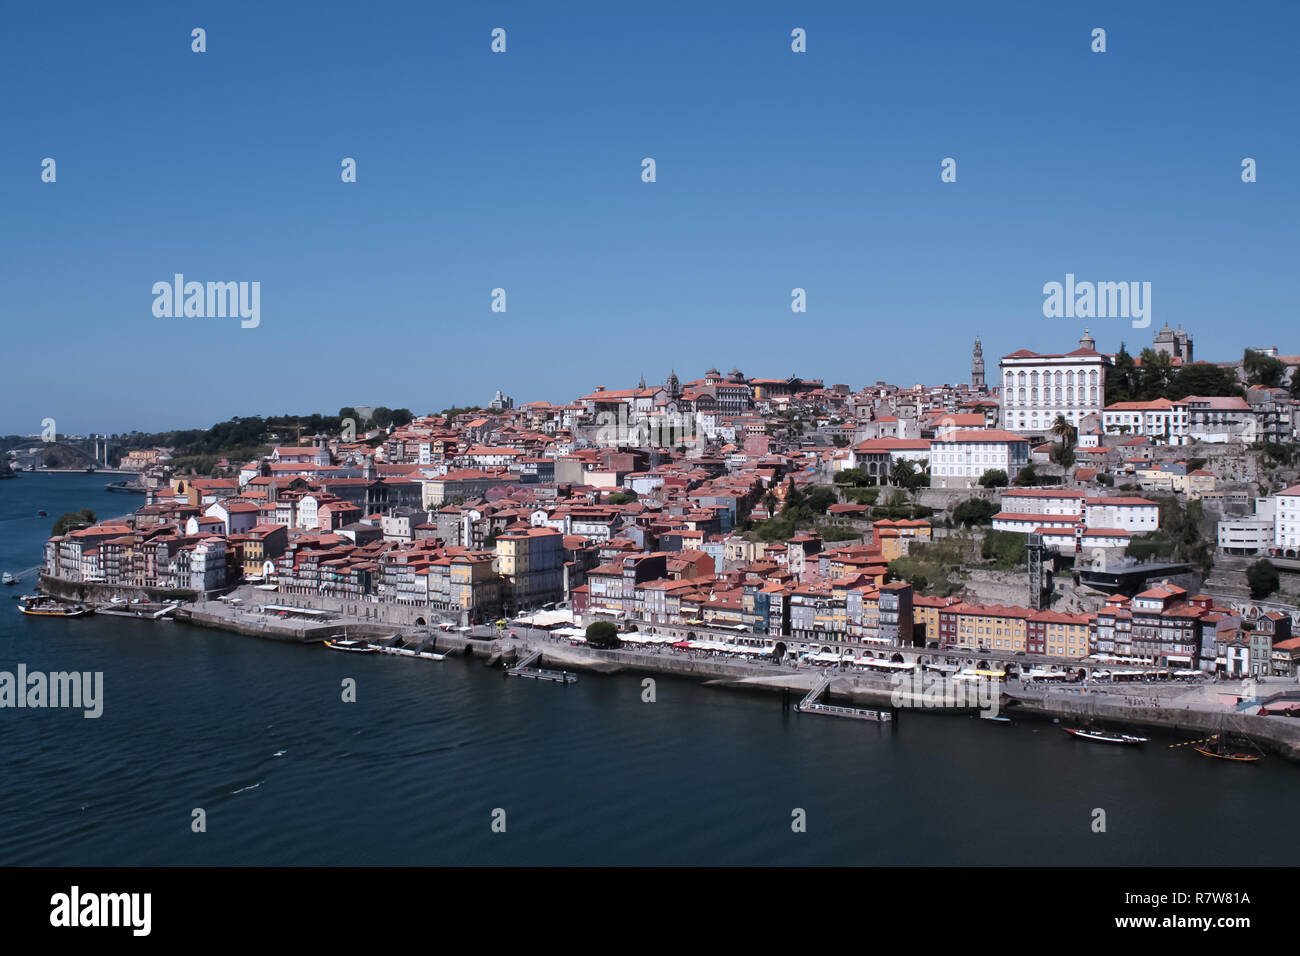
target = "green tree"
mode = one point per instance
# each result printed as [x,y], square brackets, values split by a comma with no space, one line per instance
[974,511]
[72,520]
[1007,549]
[1063,430]
[603,634]
[1027,476]
[1202,378]
[1263,578]
[1155,375]
[1263,369]
[819,498]
[1121,378]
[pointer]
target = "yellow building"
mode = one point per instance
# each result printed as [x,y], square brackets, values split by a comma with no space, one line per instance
[894,537]
[925,611]
[994,627]
[1060,635]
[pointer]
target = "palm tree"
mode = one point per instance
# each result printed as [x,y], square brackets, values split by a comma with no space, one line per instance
[901,473]
[1063,430]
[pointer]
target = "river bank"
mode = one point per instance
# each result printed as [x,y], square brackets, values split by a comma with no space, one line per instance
[1191,709]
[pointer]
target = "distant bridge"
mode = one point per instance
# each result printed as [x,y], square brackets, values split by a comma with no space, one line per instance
[93,449]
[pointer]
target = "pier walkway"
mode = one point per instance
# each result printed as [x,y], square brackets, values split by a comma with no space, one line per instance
[524,669]
[810,704]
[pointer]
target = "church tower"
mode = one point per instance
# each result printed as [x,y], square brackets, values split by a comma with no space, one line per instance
[977,366]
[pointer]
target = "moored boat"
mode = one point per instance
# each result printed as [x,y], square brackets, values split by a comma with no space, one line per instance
[1216,746]
[356,647]
[51,609]
[1104,736]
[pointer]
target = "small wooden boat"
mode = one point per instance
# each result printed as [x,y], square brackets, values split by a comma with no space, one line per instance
[1104,736]
[1219,748]
[355,647]
[50,609]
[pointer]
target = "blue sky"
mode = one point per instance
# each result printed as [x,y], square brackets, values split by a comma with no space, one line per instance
[522,171]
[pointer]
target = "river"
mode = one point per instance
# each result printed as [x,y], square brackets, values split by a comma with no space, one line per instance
[413,770]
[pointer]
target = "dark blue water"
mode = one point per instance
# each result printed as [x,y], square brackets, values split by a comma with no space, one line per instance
[411,772]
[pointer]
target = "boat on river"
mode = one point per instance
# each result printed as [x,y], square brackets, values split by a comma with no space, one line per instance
[1217,746]
[356,647]
[52,609]
[1104,736]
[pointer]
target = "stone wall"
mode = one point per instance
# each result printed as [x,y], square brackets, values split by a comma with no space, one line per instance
[84,593]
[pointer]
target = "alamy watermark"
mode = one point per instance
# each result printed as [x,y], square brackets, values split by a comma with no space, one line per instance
[211,300]
[665,431]
[78,909]
[1098,300]
[930,690]
[36,689]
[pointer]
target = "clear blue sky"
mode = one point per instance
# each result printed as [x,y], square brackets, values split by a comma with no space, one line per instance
[522,170]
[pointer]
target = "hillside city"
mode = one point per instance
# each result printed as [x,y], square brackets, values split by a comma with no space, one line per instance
[1139,511]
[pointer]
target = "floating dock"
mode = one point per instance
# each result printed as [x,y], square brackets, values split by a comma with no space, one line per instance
[811,705]
[522,669]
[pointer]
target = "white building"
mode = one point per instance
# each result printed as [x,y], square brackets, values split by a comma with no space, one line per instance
[236,516]
[1044,501]
[1249,534]
[1286,528]
[1036,388]
[1076,540]
[1137,515]
[208,564]
[1221,419]
[960,458]
[1059,514]
[308,506]
[1162,420]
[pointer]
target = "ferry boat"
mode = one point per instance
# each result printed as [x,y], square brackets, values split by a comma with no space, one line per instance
[356,647]
[1219,748]
[1104,736]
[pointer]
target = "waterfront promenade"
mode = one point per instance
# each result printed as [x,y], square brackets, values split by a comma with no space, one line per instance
[1198,708]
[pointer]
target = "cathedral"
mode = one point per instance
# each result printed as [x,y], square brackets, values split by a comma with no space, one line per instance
[1176,344]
